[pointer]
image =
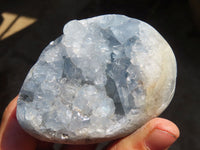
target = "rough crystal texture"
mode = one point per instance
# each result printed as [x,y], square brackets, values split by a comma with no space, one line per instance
[102,79]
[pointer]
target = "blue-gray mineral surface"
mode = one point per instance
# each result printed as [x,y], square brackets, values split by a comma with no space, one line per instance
[101,80]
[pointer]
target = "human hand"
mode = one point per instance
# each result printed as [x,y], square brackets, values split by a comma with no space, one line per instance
[157,134]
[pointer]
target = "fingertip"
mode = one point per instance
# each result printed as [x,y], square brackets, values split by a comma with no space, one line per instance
[159,140]
[166,125]
[163,135]
[157,134]
[8,111]
[12,135]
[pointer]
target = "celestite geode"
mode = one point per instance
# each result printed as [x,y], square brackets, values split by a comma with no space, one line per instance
[101,80]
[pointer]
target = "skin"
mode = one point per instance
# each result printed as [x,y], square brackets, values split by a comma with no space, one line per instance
[157,134]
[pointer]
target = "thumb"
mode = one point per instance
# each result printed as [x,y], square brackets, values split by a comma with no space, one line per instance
[157,134]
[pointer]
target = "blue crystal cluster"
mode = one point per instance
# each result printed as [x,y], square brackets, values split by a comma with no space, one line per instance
[101,79]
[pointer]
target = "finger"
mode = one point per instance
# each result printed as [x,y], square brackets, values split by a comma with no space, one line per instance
[79,147]
[11,134]
[157,134]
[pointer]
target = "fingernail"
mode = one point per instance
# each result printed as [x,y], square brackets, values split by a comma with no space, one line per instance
[159,140]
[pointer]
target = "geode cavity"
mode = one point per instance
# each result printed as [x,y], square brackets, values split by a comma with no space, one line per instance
[101,80]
